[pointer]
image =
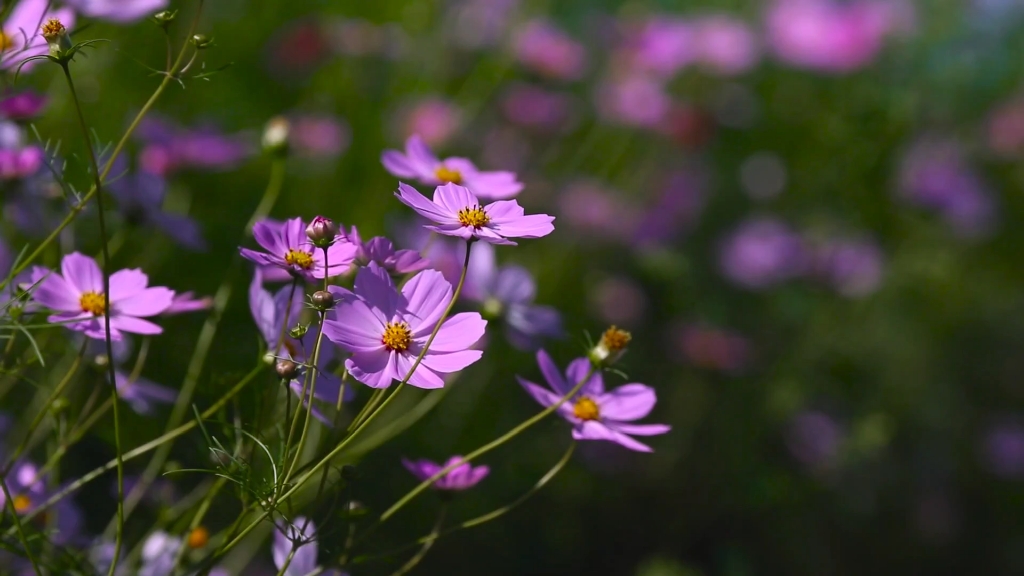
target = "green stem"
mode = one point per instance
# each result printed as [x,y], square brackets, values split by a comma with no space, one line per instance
[9,501]
[204,507]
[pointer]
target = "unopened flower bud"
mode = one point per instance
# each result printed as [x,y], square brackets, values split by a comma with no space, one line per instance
[275,136]
[59,405]
[201,41]
[199,537]
[321,232]
[611,347]
[56,35]
[322,300]
[286,369]
[164,19]
[355,509]
[299,330]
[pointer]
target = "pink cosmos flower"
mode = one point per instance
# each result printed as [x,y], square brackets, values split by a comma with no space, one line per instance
[17,163]
[22,106]
[725,45]
[380,250]
[420,163]
[120,11]
[634,100]
[461,477]
[546,49]
[433,118]
[386,330]
[594,413]
[457,212]
[77,295]
[288,248]
[20,32]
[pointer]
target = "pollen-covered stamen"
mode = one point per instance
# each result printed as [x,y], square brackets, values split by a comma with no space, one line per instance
[615,339]
[299,258]
[473,216]
[6,41]
[22,503]
[586,409]
[447,175]
[52,29]
[397,336]
[93,303]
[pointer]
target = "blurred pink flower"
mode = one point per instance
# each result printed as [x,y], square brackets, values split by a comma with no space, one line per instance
[633,100]
[435,120]
[536,107]
[1006,129]
[480,23]
[725,45]
[319,135]
[546,49]
[712,348]
[662,45]
[591,208]
[619,300]
[854,267]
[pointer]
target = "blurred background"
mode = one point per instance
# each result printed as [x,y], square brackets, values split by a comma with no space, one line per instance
[807,212]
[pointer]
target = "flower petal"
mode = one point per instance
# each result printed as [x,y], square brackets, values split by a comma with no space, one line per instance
[127,283]
[135,325]
[427,296]
[457,333]
[627,402]
[594,430]
[453,197]
[413,199]
[149,302]
[55,293]
[371,368]
[82,273]
[547,398]
[398,164]
[551,373]
[577,371]
[423,377]
[374,286]
[452,361]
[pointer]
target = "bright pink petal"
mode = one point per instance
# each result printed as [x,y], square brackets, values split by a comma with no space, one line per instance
[457,333]
[127,283]
[427,296]
[82,272]
[546,398]
[451,361]
[626,403]
[135,325]
[594,430]
[453,197]
[355,327]
[413,199]
[268,235]
[373,284]
[504,210]
[531,226]
[420,157]
[55,293]
[398,164]
[149,302]
[371,368]
[423,377]
[640,429]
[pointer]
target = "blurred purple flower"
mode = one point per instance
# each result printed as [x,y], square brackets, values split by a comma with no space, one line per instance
[140,198]
[120,11]
[288,248]
[618,300]
[19,163]
[169,147]
[319,135]
[433,119]
[633,100]
[456,211]
[588,206]
[462,477]
[508,292]
[725,45]
[159,552]
[420,163]
[380,250]
[300,536]
[187,302]
[1003,450]
[537,107]
[594,413]
[713,348]
[853,266]
[480,23]
[934,174]
[141,394]
[762,253]
[77,295]
[814,438]
[1006,129]
[661,45]
[674,212]
[20,33]
[28,487]
[546,49]
[22,106]
[385,330]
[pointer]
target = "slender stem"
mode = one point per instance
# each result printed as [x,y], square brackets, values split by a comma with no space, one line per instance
[487,447]
[204,507]
[274,185]
[426,545]
[371,404]
[9,501]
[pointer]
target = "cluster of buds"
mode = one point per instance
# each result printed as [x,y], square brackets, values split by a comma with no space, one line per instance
[322,232]
[610,348]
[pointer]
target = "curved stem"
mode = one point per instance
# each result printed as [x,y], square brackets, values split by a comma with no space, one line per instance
[426,545]
[9,501]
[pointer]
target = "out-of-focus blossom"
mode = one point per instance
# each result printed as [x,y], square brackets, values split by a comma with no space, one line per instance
[537,107]
[386,330]
[456,211]
[462,477]
[594,413]
[18,163]
[689,125]
[169,148]
[141,394]
[319,135]
[140,198]
[120,11]
[20,36]
[355,37]
[480,23]
[674,212]
[187,302]
[159,552]
[618,300]
[712,348]
[506,146]
[814,439]
[601,213]
[380,250]
[433,119]
[634,100]
[77,295]
[297,48]
[508,292]
[420,163]
[662,46]
[1006,129]
[831,36]
[853,266]
[288,248]
[762,253]
[935,174]
[28,487]
[297,539]
[546,49]
[1002,450]
[22,106]
[725,45]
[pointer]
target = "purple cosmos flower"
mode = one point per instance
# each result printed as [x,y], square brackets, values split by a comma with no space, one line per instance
[508,293]
[434,119]
[288,248]
[270,311]
[462,477]
[814,438]
[457,212]
[120,11]
[380,250]
[547,50]
[420,163]
[140,197]
[28,489]
[300,536]
[386,330]
[594,413]
[20,34]
[662,46]
[18,163]
[762,253]
[318,136]
[170,147]
[1002,449]
[22,106]
[725,45]
[77,294]
[853,266]
[187,302]
[634,100]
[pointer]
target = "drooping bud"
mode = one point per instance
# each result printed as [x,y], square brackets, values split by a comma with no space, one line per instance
[322,300]
[164,19]
[275,136]
[286,369]
[199,537]
[201,41]
[611,347]
[321,232]
[56,35]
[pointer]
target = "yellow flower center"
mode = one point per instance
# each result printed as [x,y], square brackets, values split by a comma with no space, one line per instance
[6,41]
[93,303]
[397,336]
[52,29]
[586,409]
[473,216]
[299,258]
[198,537]
[22,503]
[446,174]
[615,339]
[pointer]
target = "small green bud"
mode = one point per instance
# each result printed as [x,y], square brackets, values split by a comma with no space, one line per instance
[201,41]
[164,19]
[299,331]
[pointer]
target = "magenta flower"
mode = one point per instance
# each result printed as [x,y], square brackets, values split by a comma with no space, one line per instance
[462,477]
[77,295]
[288,248]
[386,330]
[457,212]
[22,106]
[120,11]
[546,49]
[420,163]
[169,147]
[187,302]
[434,119]
[19,163]
[594,413]
[20,32]
[380,250]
